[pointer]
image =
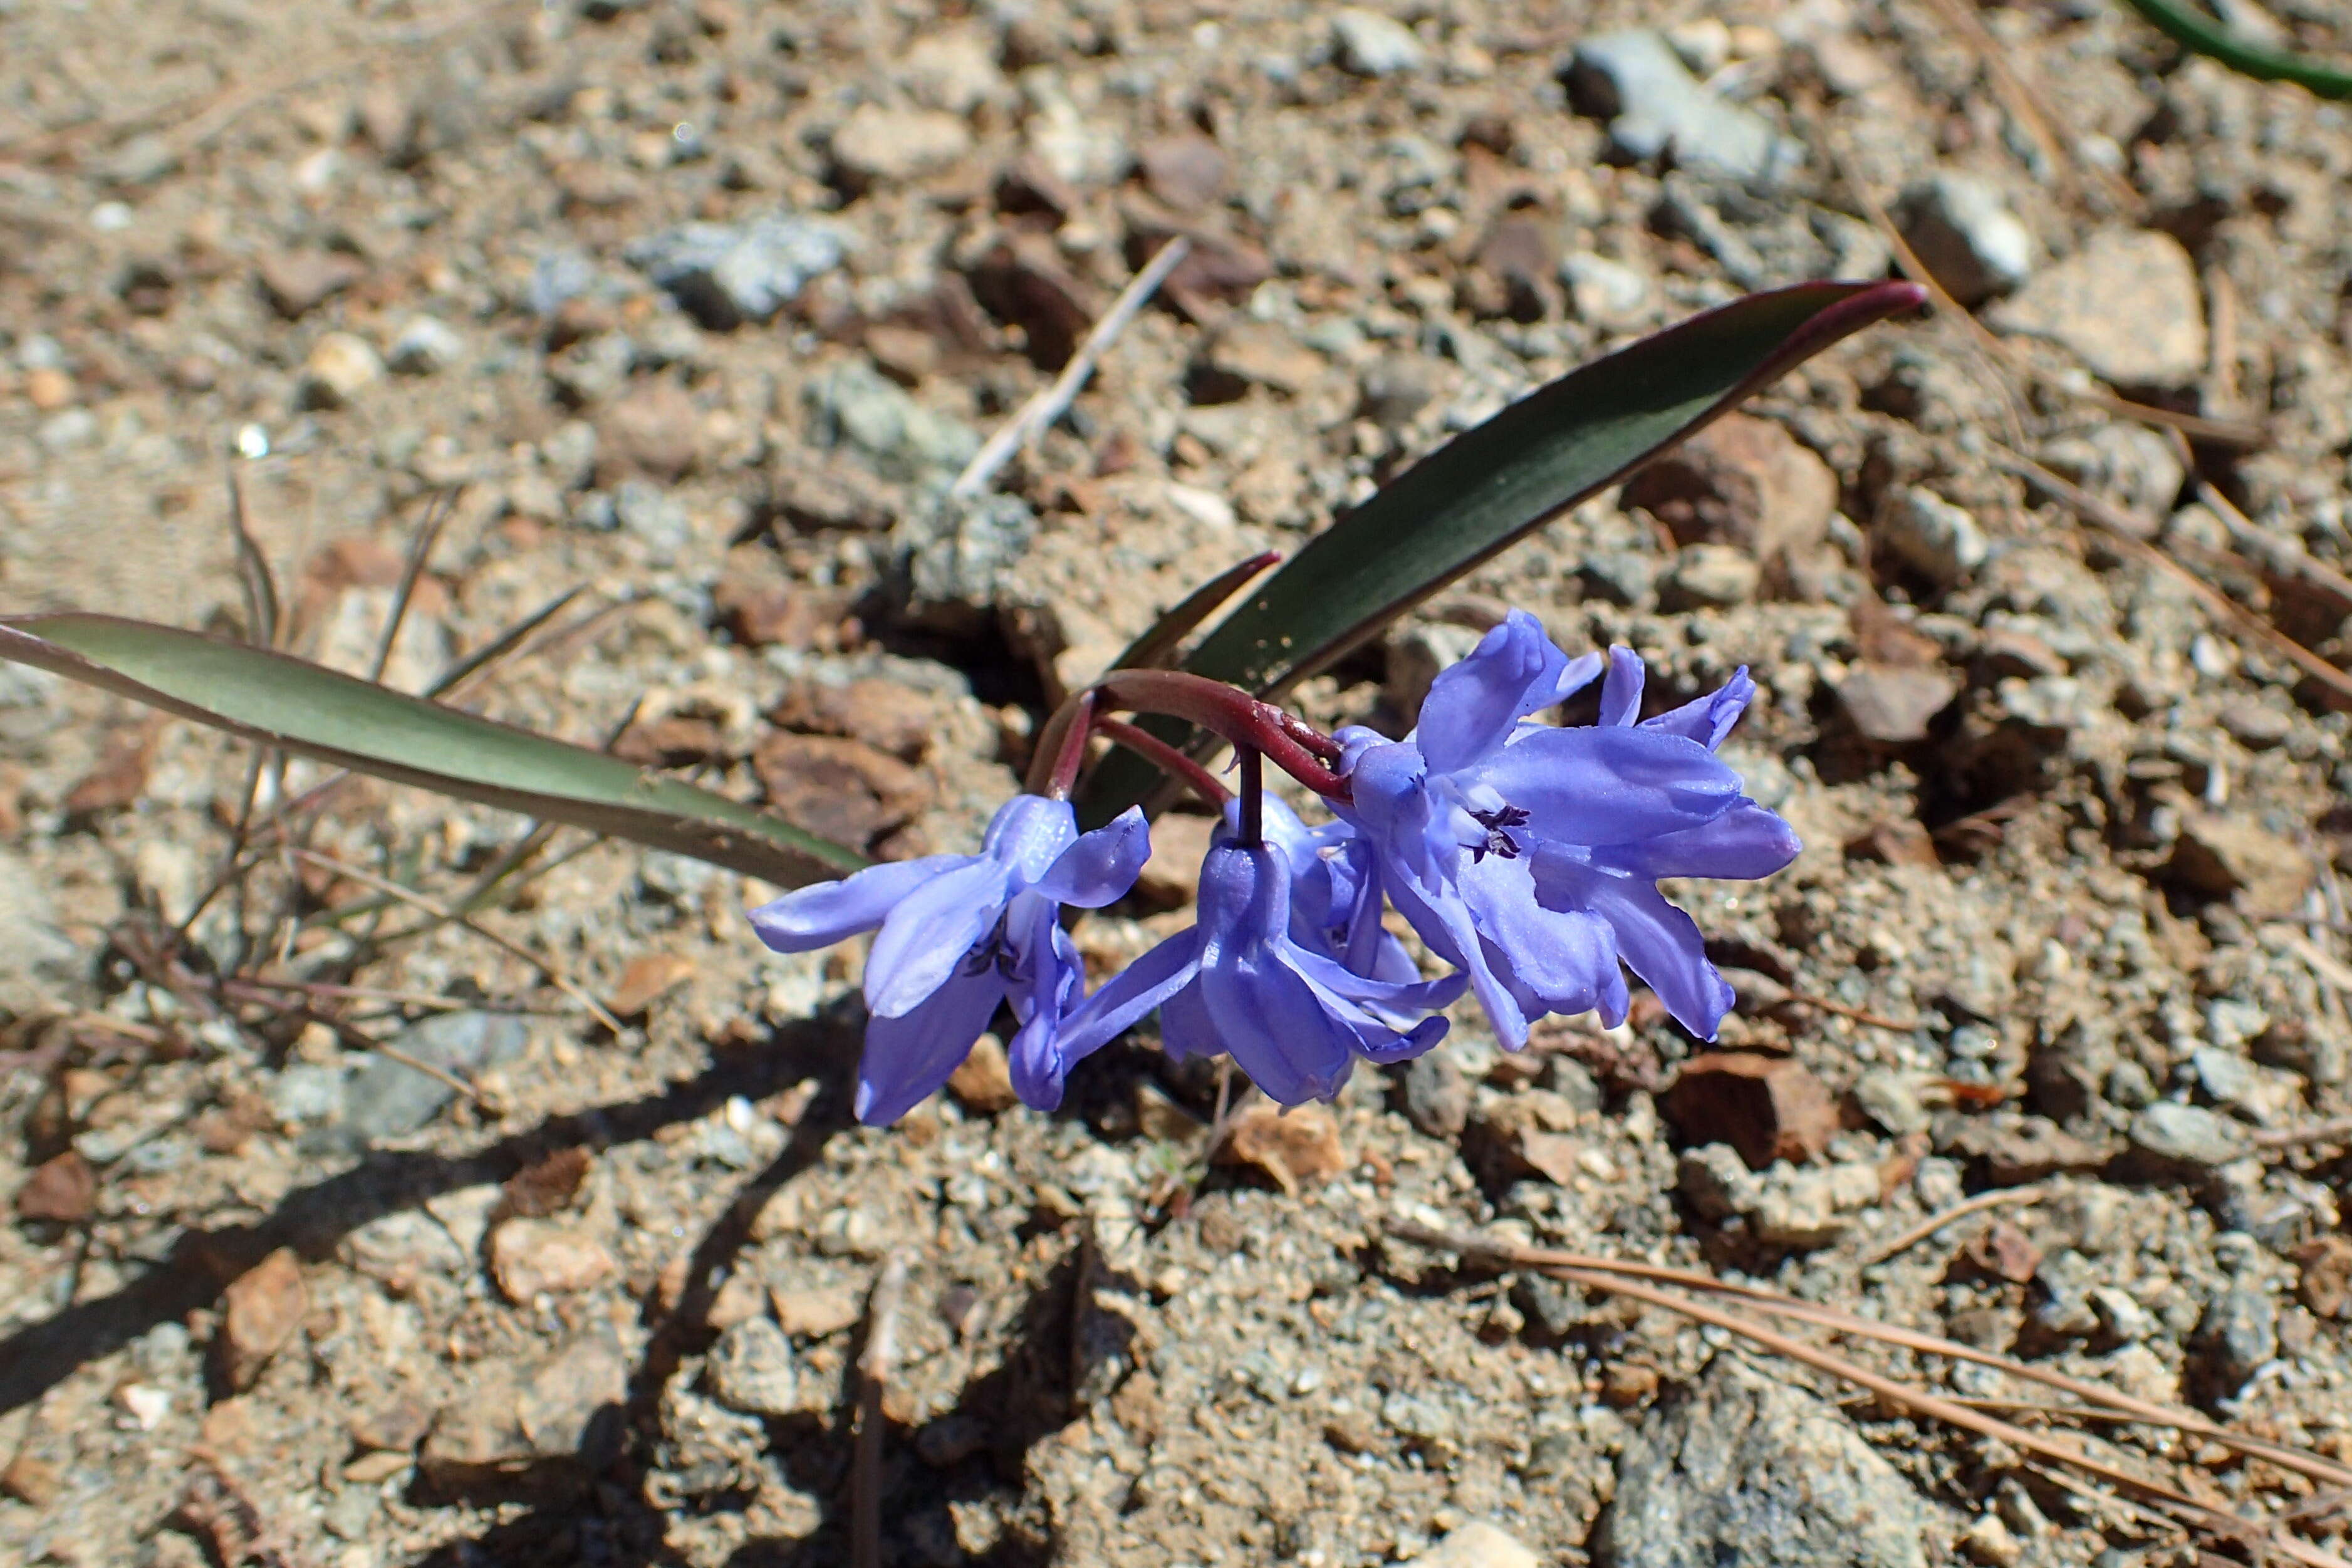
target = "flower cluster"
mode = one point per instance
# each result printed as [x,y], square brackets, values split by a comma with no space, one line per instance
[1526,856]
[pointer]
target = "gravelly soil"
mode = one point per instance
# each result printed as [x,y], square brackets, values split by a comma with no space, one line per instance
[2069,917]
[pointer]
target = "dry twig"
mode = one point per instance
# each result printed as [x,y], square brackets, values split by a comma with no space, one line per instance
[1042,410]
[439,910]
[1996,1198]
[874,1369]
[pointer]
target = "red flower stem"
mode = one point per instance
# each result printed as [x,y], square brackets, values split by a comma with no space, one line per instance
[1070,750]
[1252,761]
[1286,741]
[1165,757]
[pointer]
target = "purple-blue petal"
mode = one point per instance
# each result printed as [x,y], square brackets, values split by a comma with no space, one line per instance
[906,1059]
[1621,693]
[1710,718]
[1565,958]
[1100,867]
[1274,1026]
[1514,670]
[1594,786]
[1743,844]
[808,918]
[1128,998]
[927,936]
[1029,833]
[1657,941]
[1049,975]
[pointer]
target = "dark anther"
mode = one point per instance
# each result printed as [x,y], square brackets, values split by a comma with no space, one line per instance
[993,951]
[1499,840]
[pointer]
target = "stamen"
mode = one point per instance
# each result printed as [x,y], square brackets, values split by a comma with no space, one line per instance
[1498,840]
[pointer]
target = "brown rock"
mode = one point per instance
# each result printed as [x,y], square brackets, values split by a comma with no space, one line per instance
[2325,1285]
[120,778]
[1898,840]
[60,1191]
[885,714]
[1521,1135]
[2011,1153]
[905,354]
[548,1184]
[814,1313]
[739,1299]
[2002,1252]
[1514,270]
[1185,172]
[1246,353]
[1891,705]
[1020,279]
[2127,304]
[652,430]
[540,1431]
[648,978]
[1301,1145]
[298,281]
[1766,1107]
[675,740]
[1741,481]
[984,1083]
[1180,842]
[530,1258]
[762,614]
[261,1311]
[35,1482]
[2219,856]
[48,389]
[879,145]
[395,1427]
[1028,187]
[845,790]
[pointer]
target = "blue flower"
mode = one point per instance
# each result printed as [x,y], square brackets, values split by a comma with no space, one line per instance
[1529,854]
[960,935]
[1242,980]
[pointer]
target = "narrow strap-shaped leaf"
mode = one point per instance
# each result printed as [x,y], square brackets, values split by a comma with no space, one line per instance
[278,700]
[2196,31]
[1475,496]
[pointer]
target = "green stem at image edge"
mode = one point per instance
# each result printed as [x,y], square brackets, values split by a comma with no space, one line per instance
[2193,29]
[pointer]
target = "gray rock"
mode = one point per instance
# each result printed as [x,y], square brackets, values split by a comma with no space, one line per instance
[857,407]
[957,556]
[724,275]
[1619,577]
[752,1369]
[2186,1137]
[308,1092]
[1741,1467]
[2225,1079]
[1717,1182]
[1891,1099]
[1710,576]
[1966,237]
[2237,1337]
[651,514]
[37,961]
[388,1098]
[425,347]
[556,276]
[1372,45]
[2122,1320]
[1398,388]
[1604,292]
[1653,105]
[1437,1095]
[1941,541]
[2130,464]
[1892,703]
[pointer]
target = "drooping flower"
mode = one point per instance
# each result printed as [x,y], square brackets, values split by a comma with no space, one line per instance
[1294,1016]
[1529,854]
[960,934]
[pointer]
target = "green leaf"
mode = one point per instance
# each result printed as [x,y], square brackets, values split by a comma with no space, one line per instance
[278,700]
[1475,496]
[2194,30]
